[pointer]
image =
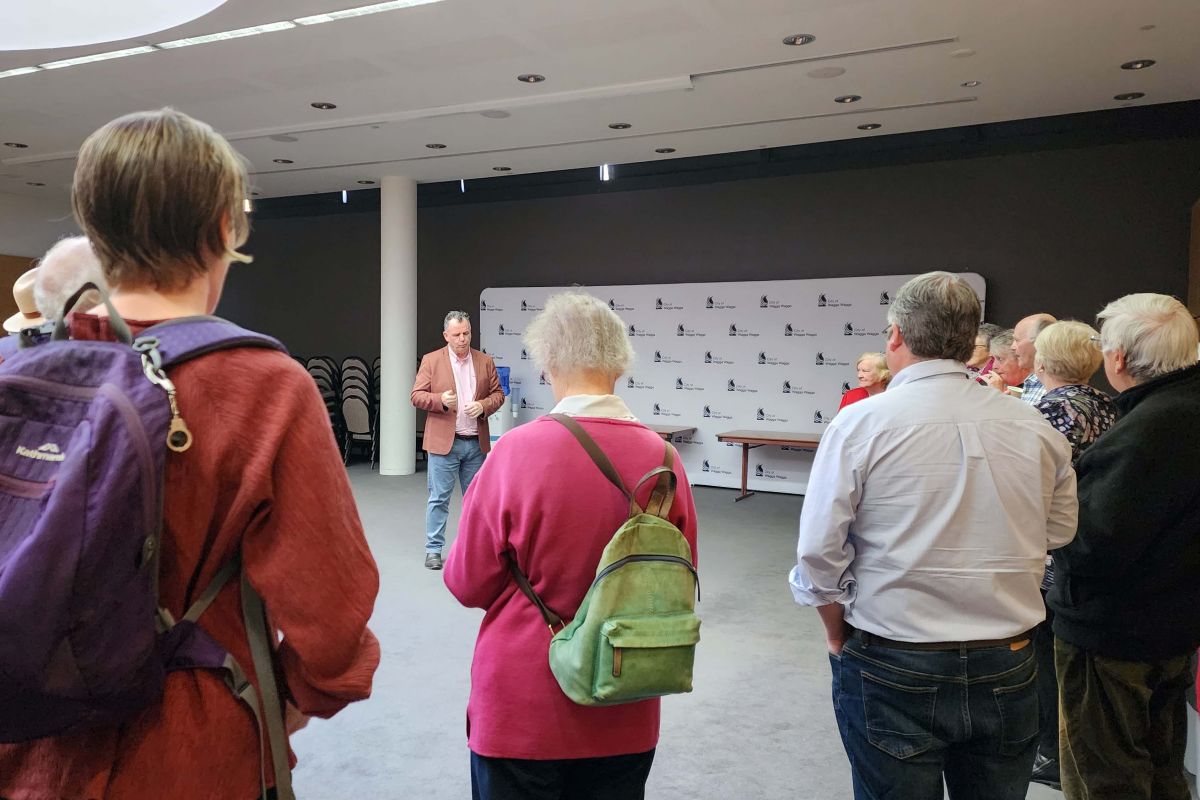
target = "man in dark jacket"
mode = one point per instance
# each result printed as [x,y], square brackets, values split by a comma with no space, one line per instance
[1127,589]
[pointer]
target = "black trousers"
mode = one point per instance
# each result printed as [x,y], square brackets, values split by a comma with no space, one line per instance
[611,778]
[1047,686]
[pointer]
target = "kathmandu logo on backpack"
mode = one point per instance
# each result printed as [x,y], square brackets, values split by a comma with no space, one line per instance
[47,452]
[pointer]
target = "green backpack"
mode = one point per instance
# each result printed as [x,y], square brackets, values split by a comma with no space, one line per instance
[634,636]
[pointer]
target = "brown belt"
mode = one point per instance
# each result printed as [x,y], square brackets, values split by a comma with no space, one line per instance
[871,639]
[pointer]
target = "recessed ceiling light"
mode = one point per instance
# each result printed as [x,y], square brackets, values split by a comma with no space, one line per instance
[495,113]
[34,183]
[436,146]
[323,106]
[502,169]
[620,126]
[367,183]
[847,98]
[870,126]
[664,150]
[973,84]
[826,72]
[1129,96]
[1140,63]
[531,77]
[283,161]
[797,39]
[17,145]
[1148,27]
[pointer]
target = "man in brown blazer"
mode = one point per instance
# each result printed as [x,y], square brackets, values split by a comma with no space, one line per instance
[459,388]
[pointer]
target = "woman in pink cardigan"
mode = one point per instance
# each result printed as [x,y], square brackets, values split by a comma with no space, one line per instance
[540,498]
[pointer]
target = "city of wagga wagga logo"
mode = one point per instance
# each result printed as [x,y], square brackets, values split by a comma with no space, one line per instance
[530,306]
[634,330]
[505,332]
[825,300]
[766,302]
[716,303]
[818,417]
[792,388]
[665,358]
[766,416]
[885,299]
[764,358]
[666,305]
[713,413]
[684,330]
[734,330]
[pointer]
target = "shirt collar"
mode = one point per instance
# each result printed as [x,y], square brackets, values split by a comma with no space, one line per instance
[454,357]
[1032,382]
[606,406]
[927,369]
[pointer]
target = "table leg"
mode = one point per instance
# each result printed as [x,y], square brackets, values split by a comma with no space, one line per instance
[745,470]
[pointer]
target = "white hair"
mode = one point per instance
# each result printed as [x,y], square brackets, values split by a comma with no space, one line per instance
[66,267]
[578,333]
[1154,331]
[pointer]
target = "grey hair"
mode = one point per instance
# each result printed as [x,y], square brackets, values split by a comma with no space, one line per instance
[939,314]
[1001,344]
[577,332]
[1155,331]
[988,331]
[456,316]
[66,267]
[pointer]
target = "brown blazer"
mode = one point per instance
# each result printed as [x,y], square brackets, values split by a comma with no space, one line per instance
[436,376]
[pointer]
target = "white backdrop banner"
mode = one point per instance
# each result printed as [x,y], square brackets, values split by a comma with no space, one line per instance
[761,355]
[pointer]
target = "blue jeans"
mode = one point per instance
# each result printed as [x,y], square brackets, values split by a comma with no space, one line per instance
[462,462]
[908,718]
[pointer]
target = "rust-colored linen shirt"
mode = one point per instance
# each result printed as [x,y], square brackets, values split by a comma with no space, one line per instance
[262,475]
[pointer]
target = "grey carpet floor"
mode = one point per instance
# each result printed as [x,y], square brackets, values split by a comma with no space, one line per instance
[758,725]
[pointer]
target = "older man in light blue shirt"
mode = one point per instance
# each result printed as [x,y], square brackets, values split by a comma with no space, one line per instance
[923,537]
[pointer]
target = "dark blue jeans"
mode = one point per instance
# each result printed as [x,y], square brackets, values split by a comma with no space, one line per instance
[909,718]
[611,778]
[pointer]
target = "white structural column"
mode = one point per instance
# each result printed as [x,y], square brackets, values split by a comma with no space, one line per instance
[397,324]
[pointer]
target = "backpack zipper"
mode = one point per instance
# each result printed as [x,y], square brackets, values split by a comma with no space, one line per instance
[648,557]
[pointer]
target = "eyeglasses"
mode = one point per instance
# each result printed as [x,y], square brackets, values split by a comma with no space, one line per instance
[1094,340]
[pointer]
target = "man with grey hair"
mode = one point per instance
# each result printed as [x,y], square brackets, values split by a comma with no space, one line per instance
[1126,596]
[923,536]
[458,387]
[65,268]
[1024,335]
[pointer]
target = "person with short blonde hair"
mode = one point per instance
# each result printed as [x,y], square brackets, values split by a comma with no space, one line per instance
[65,268]
[262,486]
[542,501]
[873,377]
[1127,590]
[1067,357]
[161,195]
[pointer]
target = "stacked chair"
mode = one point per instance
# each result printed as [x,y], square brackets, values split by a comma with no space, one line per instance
[358,399]
[375,384]
[324,371]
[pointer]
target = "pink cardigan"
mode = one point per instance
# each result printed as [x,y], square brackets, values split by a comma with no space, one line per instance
[540,496]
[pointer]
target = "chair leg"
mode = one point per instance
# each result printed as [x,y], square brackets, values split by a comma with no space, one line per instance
[346,451]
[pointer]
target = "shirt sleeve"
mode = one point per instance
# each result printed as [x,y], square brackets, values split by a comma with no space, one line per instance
[824,553]
[1063,517]
[476,568]
[307,556]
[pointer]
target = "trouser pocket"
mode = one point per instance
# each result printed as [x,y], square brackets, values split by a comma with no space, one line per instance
[899,715]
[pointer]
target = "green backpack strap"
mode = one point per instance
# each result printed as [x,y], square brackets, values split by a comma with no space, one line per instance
[663,496]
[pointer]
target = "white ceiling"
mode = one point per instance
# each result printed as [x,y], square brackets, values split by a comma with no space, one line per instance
[701,76]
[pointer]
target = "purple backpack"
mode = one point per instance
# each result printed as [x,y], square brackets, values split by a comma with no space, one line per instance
[85,427]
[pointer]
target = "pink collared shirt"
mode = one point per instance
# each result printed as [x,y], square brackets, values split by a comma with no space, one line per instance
[464,387]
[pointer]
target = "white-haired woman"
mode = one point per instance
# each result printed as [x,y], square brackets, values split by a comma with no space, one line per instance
[873,377]
[540,498]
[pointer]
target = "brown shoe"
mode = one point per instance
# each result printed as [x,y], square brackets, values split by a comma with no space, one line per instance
[433,561]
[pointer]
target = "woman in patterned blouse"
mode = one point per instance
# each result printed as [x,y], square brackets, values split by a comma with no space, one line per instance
[1068,354]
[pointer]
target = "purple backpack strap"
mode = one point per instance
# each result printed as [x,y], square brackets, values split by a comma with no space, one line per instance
[184,644]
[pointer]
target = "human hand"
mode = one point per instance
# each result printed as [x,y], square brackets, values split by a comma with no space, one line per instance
[995,381]
[450,399]
[474,410]
[835,643]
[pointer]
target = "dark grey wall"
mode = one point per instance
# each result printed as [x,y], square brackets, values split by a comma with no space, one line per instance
[1063,231]
[314,284]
